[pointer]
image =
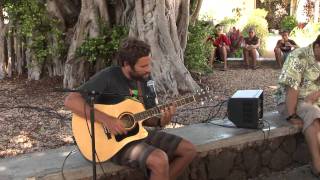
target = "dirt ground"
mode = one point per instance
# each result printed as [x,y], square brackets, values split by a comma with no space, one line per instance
[33,118]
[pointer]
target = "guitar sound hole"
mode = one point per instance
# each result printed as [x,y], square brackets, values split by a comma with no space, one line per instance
[127,120]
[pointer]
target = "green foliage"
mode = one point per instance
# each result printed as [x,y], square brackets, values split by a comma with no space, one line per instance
[31,21]
[259,23]
[228,22]
[198,51]
[236,39]
[103,46]
[288,23]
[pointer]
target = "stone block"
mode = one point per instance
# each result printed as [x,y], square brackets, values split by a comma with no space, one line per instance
[266,157]
[302,155]
[280,160]
[237,174]
[275,143]
[252,162]
[221,165]
[198,169]
[289,145]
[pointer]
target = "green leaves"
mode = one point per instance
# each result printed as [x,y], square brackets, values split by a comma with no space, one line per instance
[198,51]
[288,23]
[31,21]
[104,46]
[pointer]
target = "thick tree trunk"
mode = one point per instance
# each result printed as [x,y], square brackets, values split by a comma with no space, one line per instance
[159,28]
[87,26]
[3,49]
[11,54]
[161,23]
[34,67]
[18,51]
[195,13]
[67,11]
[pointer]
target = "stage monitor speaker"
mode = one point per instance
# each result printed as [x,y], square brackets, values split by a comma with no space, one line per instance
[245,109]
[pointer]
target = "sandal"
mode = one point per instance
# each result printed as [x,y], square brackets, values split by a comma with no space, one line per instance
[314,173]
[255,67]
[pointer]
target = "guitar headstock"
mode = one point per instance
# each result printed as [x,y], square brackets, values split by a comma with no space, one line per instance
[203,95]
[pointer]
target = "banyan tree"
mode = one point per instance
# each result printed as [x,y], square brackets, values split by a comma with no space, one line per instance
[76,38]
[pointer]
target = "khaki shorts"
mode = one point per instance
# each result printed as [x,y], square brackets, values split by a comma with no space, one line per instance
[306,111]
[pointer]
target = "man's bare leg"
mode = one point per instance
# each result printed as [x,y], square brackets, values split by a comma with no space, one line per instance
[245,57]
[184,155]
[212,57]
[253,54]
[311,136]
[223,55]
[278,56]
[158,164]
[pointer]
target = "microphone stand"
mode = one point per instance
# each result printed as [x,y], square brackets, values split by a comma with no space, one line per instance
[92,97]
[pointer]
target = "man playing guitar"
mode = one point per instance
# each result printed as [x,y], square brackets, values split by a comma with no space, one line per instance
[160,155]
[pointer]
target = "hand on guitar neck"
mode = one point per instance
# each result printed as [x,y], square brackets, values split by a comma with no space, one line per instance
[166,115]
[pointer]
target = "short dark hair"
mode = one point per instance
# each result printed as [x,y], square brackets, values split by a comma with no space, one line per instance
[317,41]
[218,25]
[251,29]
[132,49]
[285,31]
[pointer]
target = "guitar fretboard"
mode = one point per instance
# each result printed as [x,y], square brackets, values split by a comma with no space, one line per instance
[157,110]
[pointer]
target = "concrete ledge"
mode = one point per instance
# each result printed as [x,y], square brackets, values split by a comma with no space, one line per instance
[211,141]
[259,59]
[238,62]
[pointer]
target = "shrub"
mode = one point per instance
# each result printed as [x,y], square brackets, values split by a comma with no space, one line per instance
[103,46]
[288,23]
[198,51]
[259,23]
[236,39]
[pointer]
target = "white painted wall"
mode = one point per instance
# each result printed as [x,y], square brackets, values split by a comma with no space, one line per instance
[216,10]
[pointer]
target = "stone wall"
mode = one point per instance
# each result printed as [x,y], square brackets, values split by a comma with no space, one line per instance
[240,162]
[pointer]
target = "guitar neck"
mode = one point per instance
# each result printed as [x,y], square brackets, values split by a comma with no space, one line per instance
[157,110]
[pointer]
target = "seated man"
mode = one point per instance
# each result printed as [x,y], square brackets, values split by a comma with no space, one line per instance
[298,96]
[222,43]
[251,44]
[284,47]
[160,155]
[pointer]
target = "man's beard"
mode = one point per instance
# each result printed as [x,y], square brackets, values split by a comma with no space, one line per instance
[135,76]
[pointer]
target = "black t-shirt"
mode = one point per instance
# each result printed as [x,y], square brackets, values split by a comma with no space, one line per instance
[283,45]
[251,41]
[116,87]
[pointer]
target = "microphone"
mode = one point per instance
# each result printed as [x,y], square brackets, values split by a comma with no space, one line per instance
[151,86]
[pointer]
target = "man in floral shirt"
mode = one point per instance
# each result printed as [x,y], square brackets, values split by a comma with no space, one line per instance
[298,96]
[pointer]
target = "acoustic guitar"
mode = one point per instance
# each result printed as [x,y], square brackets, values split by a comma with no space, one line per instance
[132,114]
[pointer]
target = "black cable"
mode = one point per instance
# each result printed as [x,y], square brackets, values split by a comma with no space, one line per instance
[218,111]
[265,138]
[64,161]
[202,107]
